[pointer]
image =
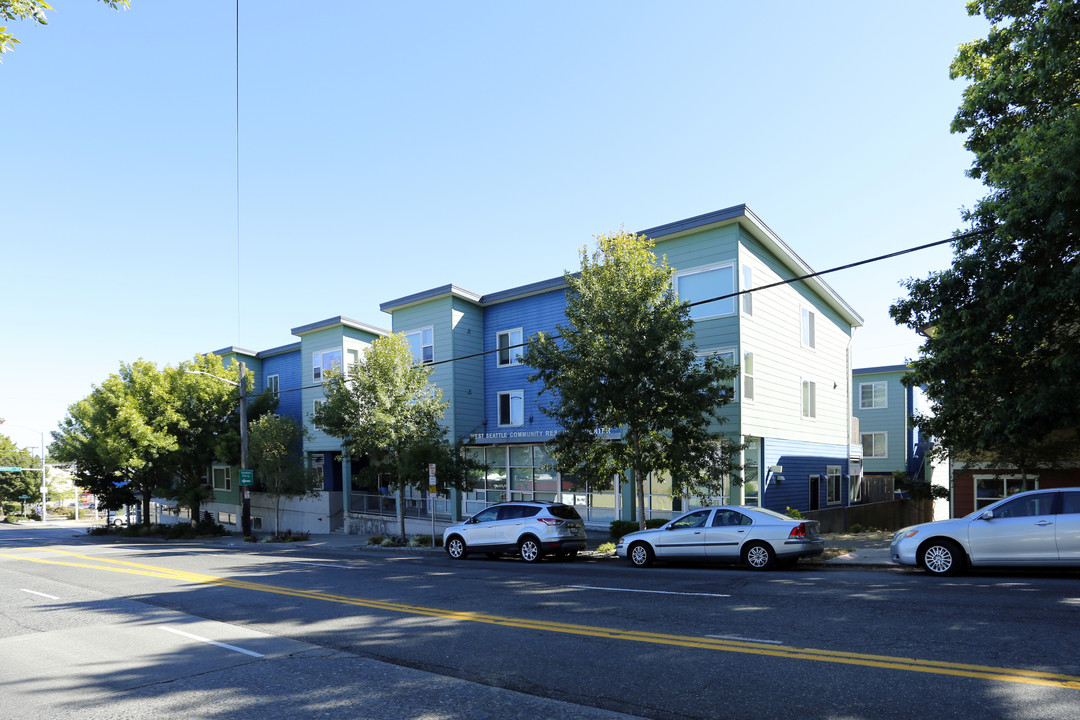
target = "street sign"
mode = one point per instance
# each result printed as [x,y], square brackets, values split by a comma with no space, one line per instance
[8,468]
[247,477]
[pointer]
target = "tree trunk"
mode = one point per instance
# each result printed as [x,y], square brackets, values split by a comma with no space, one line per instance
[401,508]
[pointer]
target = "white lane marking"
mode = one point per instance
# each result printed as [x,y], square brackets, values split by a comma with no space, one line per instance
[657,592]
[743,639]
[252,653]
[35,592]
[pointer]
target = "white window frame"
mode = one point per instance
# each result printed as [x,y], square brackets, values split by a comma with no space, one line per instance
[318,368]
[720,308]
[808,399]
[728,355]
[317,462]
[512,395]
[421,357]
[226,476]
[873,443]
[316,404]
[833,476]
[747,372]
[273,384]
[808,327]
[873,395]
[747,285]
[513,354]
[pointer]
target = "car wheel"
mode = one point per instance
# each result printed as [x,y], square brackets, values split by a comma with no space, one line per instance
[640,555]
[759,556]
[455,547]
[941,557]
[529,547]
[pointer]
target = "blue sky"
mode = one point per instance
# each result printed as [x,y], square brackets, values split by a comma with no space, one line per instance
[387,148]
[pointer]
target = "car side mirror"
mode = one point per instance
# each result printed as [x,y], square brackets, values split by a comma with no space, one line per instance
[987,515]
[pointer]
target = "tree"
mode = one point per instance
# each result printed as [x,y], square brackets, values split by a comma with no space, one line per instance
[384,408]
[13,485]
[120,438]
[276,454]
[35,10]
[1002,361]
[626,360]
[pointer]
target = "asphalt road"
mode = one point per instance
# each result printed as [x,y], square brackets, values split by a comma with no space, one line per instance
[92,629]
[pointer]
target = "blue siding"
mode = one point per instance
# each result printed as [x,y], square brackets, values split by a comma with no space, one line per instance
[531,314]
[800,460]
[287,367]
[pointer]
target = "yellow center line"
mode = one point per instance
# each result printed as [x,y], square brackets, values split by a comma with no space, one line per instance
[986,672]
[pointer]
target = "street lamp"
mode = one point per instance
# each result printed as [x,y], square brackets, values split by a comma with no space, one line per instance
[245,502]
[44,487]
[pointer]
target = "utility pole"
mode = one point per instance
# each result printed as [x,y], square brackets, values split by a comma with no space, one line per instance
[245,490]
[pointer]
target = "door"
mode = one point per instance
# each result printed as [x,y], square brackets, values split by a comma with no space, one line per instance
[815,492]
[481,529]
[1068,528]
[726,534]
[1020,531]
[685,537]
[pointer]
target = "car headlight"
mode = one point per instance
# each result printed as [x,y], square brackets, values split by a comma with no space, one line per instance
[905,534]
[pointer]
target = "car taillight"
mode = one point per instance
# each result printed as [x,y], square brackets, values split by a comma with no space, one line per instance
[799,531]
[550,521]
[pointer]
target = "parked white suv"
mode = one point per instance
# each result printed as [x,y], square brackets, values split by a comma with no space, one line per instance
[533,529]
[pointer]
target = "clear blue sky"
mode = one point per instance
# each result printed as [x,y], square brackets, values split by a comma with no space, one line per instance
[390,147]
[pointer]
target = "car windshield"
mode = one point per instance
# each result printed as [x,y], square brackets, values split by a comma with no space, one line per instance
[772,513]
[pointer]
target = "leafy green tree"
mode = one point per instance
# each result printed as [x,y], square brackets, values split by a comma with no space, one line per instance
[385,408]
[33,10]
[626,360]
[120,438]
[15,484]
[1002,363]
[275,449]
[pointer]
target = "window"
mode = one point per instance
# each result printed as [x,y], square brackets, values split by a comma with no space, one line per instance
[832,473]
[991,488]
[1071,503]
[226,518]
[318,463]
[693,520]
[704,284]
[1028,506]
[875,445]
[509,343]
[873,395]
[747,285]
[222,477]
[748,376]
[724,518]
[809,399]
[422,343]
[512,408]
[809,338]
[323,361]
[728,358]
[273,384]
[354,357]
[315,405]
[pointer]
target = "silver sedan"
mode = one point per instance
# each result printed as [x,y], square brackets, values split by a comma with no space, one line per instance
[1036,528]
[757,537]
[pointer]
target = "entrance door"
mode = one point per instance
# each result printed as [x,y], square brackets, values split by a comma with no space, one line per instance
[815,492]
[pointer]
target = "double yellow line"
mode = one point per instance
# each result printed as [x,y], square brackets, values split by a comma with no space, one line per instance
[983,672]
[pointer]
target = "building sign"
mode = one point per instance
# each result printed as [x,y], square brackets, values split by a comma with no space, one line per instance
[537,436]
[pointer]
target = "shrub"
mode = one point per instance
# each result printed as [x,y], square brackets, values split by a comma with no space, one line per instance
[655,523]
[794,513]
[375,540]
[622,527]
[856,528]
[606,548]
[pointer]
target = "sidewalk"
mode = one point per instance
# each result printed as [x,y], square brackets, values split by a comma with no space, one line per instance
[855,551]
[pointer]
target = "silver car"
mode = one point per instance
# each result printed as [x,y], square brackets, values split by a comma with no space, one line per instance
[757,537]
[1035,528]
[532,529]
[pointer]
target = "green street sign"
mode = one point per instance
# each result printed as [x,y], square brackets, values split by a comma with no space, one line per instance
[247,477]
[10,469]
